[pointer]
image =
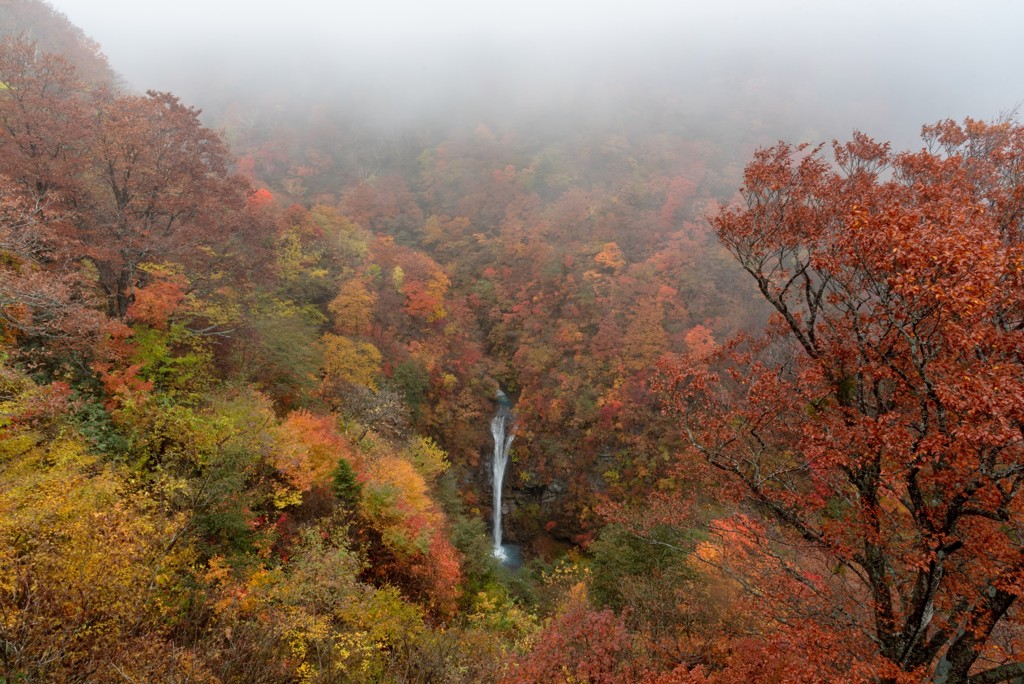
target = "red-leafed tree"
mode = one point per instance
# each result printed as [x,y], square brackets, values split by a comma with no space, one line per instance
[579,645]
[879,425]
[44,119]
[40,295]
[140,177]
[162,188]
[55,33]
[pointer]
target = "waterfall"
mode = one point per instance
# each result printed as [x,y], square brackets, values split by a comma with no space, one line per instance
[503,431]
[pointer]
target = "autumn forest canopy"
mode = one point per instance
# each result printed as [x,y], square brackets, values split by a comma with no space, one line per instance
[767,396]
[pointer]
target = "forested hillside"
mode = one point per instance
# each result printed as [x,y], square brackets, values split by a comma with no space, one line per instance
[767,422]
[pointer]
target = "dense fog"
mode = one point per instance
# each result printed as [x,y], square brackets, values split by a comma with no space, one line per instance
[792,69]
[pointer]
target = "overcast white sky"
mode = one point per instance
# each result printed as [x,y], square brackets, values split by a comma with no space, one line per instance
[385,19]
[937,58]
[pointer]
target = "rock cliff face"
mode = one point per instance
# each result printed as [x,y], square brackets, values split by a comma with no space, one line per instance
[531,514]
[529,511]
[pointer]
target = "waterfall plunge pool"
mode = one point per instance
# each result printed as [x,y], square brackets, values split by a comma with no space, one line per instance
[509,555]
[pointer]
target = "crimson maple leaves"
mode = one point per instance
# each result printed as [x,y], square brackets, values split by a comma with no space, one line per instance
[879,425]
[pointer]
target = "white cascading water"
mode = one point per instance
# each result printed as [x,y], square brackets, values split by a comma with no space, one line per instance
[503,431]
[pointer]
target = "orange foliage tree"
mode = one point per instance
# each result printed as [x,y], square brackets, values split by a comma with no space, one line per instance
[414,551]
[878,424]
[308,451]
